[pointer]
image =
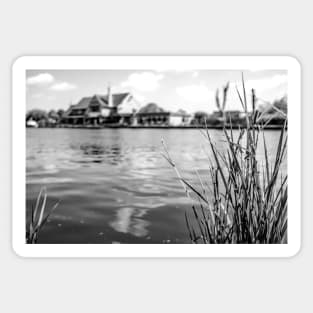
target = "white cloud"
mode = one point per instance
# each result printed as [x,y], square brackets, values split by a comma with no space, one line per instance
[195,93]
[139,97]
[263,84]
[193,73]
[268,88]
[63,86]
[144,81]
[40,79]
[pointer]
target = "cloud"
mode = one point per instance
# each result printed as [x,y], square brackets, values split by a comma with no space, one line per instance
[144,81]
[139,97]
[40,79]
[264,83]
[194,73]
[195,93]
[62,86]
[267,88]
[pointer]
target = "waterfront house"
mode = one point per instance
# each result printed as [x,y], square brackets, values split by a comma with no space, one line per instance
[100,109]
[121,109]
[228,115]
[153,115]
[180,118]
[219,118]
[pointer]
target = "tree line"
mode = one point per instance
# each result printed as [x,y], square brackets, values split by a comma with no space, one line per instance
[274,112]
[45,118]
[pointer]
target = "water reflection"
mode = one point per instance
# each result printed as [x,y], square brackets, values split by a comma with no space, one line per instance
[93,149]
[129,220]
[102,153]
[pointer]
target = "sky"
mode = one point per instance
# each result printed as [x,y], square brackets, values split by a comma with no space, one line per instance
[190,90]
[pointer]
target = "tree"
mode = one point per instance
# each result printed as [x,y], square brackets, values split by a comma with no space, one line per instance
[36,115]
[200,118]
[276,106]
[280,104]
[53,115]
[274,113]
[60,113]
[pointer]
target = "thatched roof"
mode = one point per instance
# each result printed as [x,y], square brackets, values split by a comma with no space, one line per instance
[151,108]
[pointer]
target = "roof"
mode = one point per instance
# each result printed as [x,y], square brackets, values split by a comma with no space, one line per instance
[82,104]
[100,100]
[117,98]
[151,108]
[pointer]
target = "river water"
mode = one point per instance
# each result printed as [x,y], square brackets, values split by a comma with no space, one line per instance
[114,185]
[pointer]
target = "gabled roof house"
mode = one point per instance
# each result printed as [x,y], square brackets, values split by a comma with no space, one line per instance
[101,108]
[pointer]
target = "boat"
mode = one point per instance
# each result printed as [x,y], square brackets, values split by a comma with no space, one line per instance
[31,124]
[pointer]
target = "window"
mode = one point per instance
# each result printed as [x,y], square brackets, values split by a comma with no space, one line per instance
[94,109]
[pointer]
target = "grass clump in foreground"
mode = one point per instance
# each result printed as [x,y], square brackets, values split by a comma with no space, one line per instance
[247,201]
[37,219]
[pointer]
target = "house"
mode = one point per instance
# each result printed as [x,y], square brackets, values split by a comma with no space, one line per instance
[180,118]
[100,109]
[153,115]
[219,118]
[229,116]
[120,109]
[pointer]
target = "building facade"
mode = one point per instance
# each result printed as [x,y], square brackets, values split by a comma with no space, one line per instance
[121,109]
[101,109]
[153,115]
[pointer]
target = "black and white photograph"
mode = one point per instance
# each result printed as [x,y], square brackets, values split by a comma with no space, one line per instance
[156,156]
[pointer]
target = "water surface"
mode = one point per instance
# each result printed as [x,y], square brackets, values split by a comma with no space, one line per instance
[114,184]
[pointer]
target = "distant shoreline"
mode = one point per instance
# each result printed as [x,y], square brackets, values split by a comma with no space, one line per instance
[268,127]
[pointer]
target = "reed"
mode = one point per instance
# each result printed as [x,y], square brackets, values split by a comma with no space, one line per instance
[38,218]
[247,200]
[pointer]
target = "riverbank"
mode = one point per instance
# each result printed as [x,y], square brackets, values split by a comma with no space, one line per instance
[217,127]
